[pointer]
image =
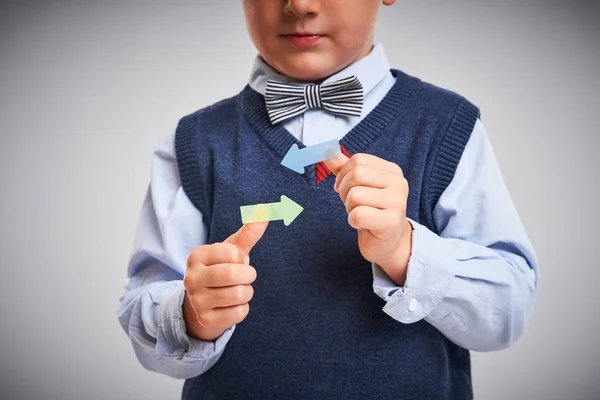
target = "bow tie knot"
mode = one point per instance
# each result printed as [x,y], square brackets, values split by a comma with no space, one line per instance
[312,96]
[287,100]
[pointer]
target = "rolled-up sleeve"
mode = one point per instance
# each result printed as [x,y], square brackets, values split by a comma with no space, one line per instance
[150,310]
[477,280]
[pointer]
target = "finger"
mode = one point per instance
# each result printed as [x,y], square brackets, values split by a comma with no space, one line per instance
[221,275]
[366,176]
[365,160]
[335,164]
[372,197]
[247,236]
[216,253]
[372,219]
[223,317]
[224,296]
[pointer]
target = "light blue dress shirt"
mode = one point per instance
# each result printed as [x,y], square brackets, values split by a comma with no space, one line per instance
[475,280]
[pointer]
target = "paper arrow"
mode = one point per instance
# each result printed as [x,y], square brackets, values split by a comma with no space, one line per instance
[286,210]
[296,159]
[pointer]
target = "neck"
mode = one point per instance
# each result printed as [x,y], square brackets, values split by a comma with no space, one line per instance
[362,55]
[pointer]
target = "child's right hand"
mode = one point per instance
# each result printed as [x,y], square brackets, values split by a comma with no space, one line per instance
[218,282]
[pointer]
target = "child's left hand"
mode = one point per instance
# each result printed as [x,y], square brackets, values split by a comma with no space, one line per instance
[374,192]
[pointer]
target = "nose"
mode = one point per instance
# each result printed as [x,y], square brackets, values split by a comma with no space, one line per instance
[301,8]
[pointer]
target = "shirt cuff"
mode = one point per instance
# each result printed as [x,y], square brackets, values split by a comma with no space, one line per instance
[428,279]
[172,339]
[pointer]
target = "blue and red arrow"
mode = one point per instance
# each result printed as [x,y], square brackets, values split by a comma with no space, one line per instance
[296,159]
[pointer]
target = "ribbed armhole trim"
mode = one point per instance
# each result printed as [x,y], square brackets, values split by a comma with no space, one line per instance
[188,161]
[451,149]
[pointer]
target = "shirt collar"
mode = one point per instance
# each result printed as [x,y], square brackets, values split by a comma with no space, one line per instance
[370,70]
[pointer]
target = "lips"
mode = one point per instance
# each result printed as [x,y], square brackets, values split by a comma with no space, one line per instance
[303,40]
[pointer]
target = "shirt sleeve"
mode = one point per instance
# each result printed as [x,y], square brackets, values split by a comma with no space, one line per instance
[476,281]
[150,310]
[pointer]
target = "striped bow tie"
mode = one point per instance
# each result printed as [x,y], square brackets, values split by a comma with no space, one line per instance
[285,100]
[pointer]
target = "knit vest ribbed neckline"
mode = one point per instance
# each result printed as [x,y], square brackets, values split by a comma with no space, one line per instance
[378,121]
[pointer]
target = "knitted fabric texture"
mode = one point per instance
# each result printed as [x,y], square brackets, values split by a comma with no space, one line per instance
[315,329]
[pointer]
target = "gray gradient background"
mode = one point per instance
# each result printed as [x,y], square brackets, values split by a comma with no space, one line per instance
[89,89]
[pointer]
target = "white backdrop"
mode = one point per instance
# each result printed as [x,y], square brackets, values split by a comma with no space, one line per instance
[89,89]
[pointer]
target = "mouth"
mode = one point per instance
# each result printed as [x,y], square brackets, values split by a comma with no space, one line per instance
[303,39]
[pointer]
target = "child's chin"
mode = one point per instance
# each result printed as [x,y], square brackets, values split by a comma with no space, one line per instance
[310,68]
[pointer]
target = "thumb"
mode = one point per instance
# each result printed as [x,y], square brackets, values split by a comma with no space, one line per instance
[247,236]
[335,164]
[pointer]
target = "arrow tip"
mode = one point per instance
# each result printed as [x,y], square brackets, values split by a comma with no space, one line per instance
[291,210]
[292,161]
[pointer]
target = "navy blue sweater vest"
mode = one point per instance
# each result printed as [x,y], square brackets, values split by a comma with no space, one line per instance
[315,329]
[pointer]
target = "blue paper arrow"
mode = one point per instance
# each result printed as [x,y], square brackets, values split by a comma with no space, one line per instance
[296,159]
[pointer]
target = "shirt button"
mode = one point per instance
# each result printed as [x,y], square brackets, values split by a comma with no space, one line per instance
[179,352]
[412,306]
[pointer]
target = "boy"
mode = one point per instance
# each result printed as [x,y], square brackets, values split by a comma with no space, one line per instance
[415,219]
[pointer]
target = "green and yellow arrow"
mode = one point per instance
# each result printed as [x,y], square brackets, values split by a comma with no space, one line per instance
[286,210]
